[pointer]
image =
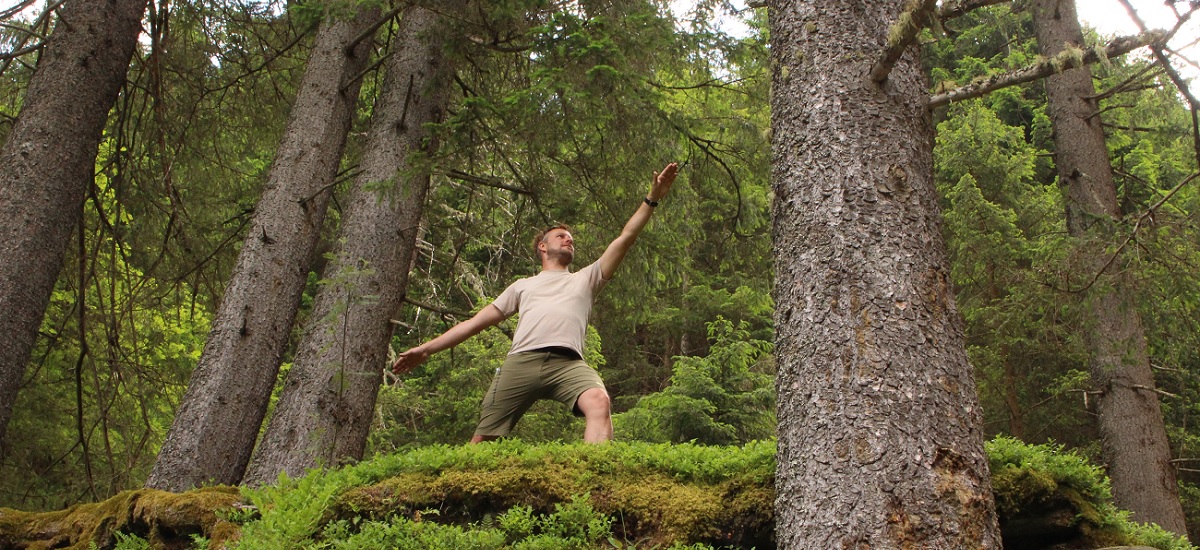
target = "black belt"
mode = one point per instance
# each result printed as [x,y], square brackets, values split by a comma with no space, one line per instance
[560,351]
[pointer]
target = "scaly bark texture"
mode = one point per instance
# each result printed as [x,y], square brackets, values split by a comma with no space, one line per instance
[325,411]
[48,163]
[218,422]
[1134,439]
[880,432]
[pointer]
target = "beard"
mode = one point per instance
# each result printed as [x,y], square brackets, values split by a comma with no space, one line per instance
[561,256]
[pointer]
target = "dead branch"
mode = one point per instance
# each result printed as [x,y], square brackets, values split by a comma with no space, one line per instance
[1155,390]
[1137,226]
[1067,59]
[436,309]
[1161,57]
[485,180]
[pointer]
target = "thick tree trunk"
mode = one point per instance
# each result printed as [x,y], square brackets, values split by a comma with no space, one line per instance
[48,163]
[880,432]
[219,419]
[1134,439]
[325,410]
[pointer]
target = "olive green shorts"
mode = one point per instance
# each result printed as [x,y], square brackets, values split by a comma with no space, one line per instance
[527,377]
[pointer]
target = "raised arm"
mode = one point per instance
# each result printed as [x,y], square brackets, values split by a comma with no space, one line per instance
[490,315]
[615,253]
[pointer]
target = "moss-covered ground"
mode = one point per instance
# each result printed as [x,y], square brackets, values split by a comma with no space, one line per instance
[552,496]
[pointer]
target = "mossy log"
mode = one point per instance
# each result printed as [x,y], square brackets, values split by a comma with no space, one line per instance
[166,520]
[652,509]
[656,496]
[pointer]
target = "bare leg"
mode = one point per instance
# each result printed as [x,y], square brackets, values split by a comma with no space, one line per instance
[482,438]
[597,412]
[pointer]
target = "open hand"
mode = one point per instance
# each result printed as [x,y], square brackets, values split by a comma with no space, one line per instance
[409,360]
[663,181]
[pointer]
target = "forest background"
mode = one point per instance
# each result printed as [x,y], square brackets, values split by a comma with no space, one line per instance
[559,112]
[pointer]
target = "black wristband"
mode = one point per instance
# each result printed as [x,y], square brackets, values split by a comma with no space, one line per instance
[650,202]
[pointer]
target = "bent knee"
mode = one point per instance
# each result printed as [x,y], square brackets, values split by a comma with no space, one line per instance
[594,401]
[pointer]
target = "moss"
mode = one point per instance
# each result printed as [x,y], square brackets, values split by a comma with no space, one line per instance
[166,520]
[1016,489]
[666,511]
[652,498]
[652,494]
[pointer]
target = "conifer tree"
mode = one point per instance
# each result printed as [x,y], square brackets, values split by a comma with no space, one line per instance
[328,401]
[880,432]
[47,165]
[1134,439]
[221,414]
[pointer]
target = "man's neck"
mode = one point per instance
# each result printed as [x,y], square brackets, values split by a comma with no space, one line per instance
[553,266]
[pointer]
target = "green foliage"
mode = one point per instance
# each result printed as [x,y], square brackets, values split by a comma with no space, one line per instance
[130,542]
[116,350]
[177,173]
[1027,479]
[725,398]
[515,495]
[1018,276]
[1023,474]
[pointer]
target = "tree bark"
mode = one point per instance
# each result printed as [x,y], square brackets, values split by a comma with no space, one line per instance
[48,163]
[218,422]
[1134,439]
[325,411]
[880,431]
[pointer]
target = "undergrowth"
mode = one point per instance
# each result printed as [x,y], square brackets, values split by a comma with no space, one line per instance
[512,495]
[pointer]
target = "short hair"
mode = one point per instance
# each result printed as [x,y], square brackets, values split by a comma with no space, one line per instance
[541,235]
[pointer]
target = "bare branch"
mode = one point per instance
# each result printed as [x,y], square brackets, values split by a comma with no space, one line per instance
[370,31]
[1067,59]
[18,53]
[1136,227]
[22,29]
[1180,84]
[16,9]
[1167,369]
[445,312]
[484,180]
[1155,390]
[901,35]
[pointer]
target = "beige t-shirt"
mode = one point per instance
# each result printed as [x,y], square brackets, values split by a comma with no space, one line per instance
[554,308]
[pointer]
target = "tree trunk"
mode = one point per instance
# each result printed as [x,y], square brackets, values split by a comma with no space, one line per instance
[1134,439]
[880,431]
[325,410]
[48,163]
[219,419]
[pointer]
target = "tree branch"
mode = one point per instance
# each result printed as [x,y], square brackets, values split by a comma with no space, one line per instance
[370,31]
[958,8]
[446,312]
[484,180]
[1176,78]
[1067,59]
[901,35]
[16,9]
[1155,390]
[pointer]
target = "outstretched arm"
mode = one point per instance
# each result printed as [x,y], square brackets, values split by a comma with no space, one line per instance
[490,315]
[615,253]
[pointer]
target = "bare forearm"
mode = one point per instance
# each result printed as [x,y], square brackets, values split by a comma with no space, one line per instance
[615,253]
[454,336]
[409,359]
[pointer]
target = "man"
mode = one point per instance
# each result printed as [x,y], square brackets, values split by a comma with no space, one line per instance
[546,359]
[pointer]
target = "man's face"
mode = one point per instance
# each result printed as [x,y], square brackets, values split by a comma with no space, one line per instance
[559,246]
